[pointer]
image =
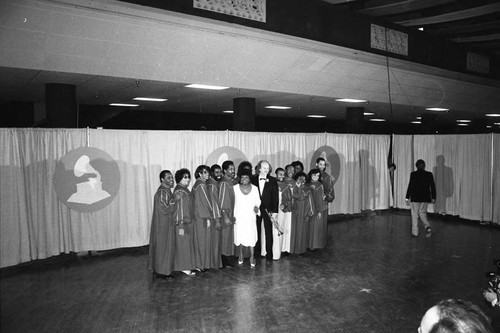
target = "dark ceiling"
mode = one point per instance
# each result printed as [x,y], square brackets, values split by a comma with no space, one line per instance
[474,24]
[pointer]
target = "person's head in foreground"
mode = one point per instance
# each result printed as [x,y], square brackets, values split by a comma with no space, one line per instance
[455,316]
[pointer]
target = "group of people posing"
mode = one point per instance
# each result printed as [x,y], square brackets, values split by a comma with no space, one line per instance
[228,210]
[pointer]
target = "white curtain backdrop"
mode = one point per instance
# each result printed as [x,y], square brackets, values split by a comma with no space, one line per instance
[462,168]
[496,178]
[35,224]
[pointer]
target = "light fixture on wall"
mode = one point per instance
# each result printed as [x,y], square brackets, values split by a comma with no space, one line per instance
[124,104]
[351,100]
[437,109]
[278,107]
[205,86]
[150,99]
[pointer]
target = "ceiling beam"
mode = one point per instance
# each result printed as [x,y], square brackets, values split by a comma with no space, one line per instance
[454,16]
[402,7]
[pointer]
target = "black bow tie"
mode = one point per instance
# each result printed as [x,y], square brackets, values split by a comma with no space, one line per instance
[262,178]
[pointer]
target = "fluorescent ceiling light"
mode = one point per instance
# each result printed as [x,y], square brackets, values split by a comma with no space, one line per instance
[463,121]
[315,116]
[462,124]
[436,109]
[496,123]
[489,126]
[492,115]
[205,86]
[351,100]
[418,118]
[124,104]
[377,119]
[416,122]
[278,107]
[150,99]
[368,113]
[228,111]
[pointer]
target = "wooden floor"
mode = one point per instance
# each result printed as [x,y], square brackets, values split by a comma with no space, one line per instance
[373,277]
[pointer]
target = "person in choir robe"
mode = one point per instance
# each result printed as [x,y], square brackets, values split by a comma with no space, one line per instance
[285,213]
[203,211]
[162,235]
[298,166]
[226,203]
[268,190]
[327,180]
[246,206]
[216,172]
[302,212]
[283,206]
[184,256]
[318,232]
[216,215]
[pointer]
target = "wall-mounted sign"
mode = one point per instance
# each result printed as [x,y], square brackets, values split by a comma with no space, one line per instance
[86,179]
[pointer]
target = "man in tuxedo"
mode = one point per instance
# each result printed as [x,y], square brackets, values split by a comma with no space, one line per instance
[268,190]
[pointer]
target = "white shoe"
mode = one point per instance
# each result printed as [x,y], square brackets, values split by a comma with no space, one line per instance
[188,273]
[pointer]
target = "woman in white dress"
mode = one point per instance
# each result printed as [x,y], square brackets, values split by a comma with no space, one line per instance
[246,206]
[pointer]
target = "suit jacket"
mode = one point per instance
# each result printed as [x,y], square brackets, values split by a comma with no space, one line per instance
[269,197]
[421,187]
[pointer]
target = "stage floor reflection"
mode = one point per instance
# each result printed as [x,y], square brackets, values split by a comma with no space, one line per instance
[372,277]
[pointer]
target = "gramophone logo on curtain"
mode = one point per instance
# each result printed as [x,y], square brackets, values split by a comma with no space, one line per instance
[86,179]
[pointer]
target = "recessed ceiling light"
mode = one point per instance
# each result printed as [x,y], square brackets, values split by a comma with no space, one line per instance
[228,111]
[463,121]
[496,123]
[205,86]
[315,116]
[492,115]
[462,124]
[351,100]
[278,107]
[124,104]
[437,109]
[150,99]
[368,113]
[421,28]
[416,122]
[489,126]
[418,118]
[377,119]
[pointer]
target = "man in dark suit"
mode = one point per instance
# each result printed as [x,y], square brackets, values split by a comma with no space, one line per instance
[268,190]
[421,191]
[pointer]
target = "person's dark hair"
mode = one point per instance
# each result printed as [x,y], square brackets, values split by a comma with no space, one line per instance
[459,316]
[295,163]
[300,174]
[163,174]
[245,165]
[259,165]
[199,170]
[245,172]
[320,159]
[420,162]
[391,165]
[287,166]
[179,174]
[278,170]
[313,172]
[227,164]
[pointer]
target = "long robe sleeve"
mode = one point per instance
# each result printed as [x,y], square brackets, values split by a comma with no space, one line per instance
[202,205]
